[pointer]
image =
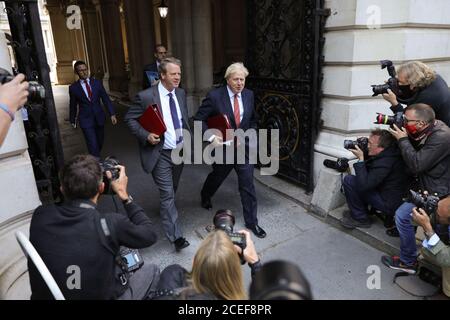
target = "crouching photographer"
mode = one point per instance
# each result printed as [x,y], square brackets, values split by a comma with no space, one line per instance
[424,144]
[216,269]
[434,249]
[379,181]
[82,247]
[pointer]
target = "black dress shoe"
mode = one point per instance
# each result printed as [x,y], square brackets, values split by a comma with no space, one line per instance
[206,203]
[180,243]
[258,231]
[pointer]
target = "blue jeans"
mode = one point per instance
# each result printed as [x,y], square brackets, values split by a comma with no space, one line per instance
[408,249]
[358,201]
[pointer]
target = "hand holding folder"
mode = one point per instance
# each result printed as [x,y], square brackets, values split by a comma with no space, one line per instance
[221,123]
[152,120]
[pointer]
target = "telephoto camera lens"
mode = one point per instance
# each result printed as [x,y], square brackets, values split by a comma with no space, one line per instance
[280,280]
[224,220]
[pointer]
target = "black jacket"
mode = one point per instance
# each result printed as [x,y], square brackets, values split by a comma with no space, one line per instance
[385,173]
[69,235]
[430,160]
[437,95]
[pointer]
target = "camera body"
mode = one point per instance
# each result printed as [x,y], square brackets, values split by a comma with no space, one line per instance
[224,220]
[341,164]
[130,260]
[362,143]
[396,119]
[36,91]
[429,203]
[109,164]
[392,82]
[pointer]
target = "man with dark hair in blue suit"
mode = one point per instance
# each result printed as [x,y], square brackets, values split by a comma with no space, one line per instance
[85,108]
[237,103]
[151,71]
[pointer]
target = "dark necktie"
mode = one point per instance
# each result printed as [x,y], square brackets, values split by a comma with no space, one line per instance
[88,88]
[175,119]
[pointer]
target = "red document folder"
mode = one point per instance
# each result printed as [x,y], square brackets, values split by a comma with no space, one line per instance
[152,121]
[221,123]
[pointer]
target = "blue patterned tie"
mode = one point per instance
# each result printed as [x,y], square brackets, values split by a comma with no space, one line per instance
[175,119]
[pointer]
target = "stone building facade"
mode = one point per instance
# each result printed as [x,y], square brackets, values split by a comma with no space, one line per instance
[117,37]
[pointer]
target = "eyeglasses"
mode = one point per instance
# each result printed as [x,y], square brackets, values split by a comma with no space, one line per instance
[164,52]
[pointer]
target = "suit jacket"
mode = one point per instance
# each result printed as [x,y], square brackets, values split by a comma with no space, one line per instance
[70,235]
[149,67]
[218,102]
[149,153]
[90,112]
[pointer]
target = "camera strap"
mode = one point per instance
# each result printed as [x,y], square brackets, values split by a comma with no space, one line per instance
[424,275]
[105,235]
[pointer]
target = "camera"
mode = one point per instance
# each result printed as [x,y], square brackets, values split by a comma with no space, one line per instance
[341,164]
[362,143]
[396,119]
[36,91]
[280,280]
[392,82]
[224,220]
[429,203]
[109,164]
[130,259]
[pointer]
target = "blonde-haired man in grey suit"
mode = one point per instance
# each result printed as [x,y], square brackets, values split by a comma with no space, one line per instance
[155,151]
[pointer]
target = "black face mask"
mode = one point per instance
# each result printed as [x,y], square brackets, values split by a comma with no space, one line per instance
[405,91]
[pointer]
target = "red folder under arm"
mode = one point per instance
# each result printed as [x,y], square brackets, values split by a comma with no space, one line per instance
[152,120]
[221,123]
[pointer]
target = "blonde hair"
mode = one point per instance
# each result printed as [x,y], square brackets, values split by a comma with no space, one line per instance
[236,67]
[217,269]
[419,75]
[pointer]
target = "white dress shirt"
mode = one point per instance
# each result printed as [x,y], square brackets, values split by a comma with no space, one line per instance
[170,136]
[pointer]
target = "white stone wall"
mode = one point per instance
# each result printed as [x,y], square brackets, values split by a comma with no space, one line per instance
[18,198]
[358,34]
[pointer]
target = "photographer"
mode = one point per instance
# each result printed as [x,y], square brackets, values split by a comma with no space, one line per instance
[424,143]
[13,95]
[75,236]
[216,271]
[420,84]
[379,180]
[434,249]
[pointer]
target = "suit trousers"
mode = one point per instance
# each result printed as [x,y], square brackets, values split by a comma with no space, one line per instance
[246,188]
[94,139]
[358,201]
[166,176]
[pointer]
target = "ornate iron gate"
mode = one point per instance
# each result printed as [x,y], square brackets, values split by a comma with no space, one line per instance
[42,130]
[284,56]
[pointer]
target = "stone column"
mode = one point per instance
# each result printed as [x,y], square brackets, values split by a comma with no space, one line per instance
[203,50]
[18,198]
[359,35]
[102,43]
[180,15]
[141,40]
[69,43]
[93,41]
[118,80]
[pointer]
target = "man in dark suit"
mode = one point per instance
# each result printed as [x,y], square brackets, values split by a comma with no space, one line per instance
[152,68]
[237,103]
[156,151]
[85,108]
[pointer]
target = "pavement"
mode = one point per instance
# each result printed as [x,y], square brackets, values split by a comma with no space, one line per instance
[338,263]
